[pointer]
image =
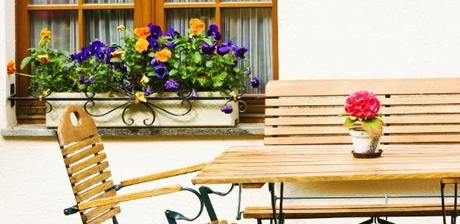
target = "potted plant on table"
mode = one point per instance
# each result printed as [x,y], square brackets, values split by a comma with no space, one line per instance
[365,124]
[148,65]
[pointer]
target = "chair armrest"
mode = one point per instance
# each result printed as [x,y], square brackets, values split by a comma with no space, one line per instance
[129,197]
[162,175]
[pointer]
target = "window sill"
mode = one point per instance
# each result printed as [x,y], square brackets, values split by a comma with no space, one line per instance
[255,129]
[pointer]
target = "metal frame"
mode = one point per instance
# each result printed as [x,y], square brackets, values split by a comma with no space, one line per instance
[443,204]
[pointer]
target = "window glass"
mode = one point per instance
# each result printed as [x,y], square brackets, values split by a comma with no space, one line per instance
[178,18]
[102,24]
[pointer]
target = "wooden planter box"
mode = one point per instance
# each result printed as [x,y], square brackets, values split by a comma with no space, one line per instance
[203,113]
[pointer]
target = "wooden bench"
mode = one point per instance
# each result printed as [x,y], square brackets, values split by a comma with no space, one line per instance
[416,111]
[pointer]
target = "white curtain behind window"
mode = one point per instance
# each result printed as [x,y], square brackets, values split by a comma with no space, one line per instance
[178,18]
[102,24]
[252,28]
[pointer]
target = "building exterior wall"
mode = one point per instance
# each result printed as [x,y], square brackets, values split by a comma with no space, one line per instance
[317,39]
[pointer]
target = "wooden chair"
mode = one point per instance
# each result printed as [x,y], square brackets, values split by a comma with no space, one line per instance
[88,170]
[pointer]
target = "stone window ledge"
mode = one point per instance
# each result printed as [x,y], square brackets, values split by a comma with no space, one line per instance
[239,130]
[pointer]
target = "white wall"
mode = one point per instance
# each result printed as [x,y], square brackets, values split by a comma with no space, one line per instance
[318,39]
[368,39]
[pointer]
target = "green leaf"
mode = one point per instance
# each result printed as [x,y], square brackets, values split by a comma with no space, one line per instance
[209,64]
[25,62]
[196,58]
[373,127]
[173,72]
[349,122]
[115,60]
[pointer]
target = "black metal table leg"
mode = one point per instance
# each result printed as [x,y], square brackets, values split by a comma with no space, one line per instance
[281,214]
[383,221]
[444,221]
[369,221]
[271,188]
[454,215]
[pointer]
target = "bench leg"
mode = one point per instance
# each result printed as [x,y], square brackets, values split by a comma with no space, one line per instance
[369,221]
[383,221]
[444,221]
[454,215]
[271,188]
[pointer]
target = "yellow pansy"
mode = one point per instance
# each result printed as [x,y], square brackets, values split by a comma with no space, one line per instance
[140,97]
[44,58]
[117,54]
[45,36]
[196,26]
[163,55]
[141,45]
[121,28]
[144,80]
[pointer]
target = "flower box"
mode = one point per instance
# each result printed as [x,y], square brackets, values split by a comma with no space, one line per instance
[204,112]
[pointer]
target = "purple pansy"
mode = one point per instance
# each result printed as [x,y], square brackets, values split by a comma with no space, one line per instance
[153,43]
[171,85]
[127,85]
[240,51]
[161,71]
[192,94]
[95,47]
[100,55]
[155,63]
[227,109]
[255,82]
[170,45]
[172,33]
[148,91]
[213,30]
[155,31]
[224,48]
[208,49]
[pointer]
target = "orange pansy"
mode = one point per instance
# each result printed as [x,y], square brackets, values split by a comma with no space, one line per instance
[141,45]
[163,55]
[11,67]
[197,26]
[142,33]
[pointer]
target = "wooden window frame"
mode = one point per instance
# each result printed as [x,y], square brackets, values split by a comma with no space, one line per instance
[145,11]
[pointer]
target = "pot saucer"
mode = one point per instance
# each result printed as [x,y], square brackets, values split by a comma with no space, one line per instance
[368,155]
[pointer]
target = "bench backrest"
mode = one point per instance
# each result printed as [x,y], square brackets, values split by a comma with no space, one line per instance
[86,163]
[311,111]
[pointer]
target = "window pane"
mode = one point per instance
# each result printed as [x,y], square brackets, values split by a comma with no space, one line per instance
[63,25]
[190,1]
[107,1]
[178,18]
[102,24]
[246,0]
[252,28]
[44,2]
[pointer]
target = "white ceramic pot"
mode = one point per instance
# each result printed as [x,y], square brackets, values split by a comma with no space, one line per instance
[362,143]
[203,113]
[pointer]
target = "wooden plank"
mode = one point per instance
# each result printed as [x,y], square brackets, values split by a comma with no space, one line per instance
[92,181]
[106,216]
[355,210]
[68,133]
[339,110]
[91,214]
[163,175]
[84,154]
[79,145]
[129,197]
[318,130]
[89,172]
[340,100]
[345,139]
[253,186]
[393,119]
[86,163]
[94,191]
[279,88]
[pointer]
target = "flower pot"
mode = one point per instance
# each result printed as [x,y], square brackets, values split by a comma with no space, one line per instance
[202,113]
[363,143]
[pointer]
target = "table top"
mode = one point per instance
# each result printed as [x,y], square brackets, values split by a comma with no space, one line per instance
[274,164]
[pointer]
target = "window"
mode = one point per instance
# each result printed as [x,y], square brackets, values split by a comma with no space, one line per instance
[249,23]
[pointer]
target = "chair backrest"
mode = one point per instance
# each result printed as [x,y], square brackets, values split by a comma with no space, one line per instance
[414,110]
[85,161]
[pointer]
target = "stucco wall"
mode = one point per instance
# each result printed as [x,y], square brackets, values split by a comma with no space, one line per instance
[318,39]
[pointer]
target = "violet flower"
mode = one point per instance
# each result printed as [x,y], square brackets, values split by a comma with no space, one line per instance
[155,31]
[148,91]
[172,33]
[171,85]
[208,49]
[227,109]
[192,94]
[95,46]
[240,51]
[153,43]
[224,48]
[161,71]
[213,30]
[170,45]
[255,82]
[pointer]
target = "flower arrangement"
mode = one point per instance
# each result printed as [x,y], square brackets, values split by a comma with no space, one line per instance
[144,63]
[362,108]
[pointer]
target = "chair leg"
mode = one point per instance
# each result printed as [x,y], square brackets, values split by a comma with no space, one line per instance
[259,221]
[454,215]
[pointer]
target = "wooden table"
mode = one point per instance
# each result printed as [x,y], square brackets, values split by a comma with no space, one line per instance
[283,164]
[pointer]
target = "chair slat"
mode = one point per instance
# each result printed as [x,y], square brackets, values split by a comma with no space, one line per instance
[338,129]
[106,216]
[86,163]
[92,181]
[83,154]
[89,172]
[90,214]
[94,191]
[80,145]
